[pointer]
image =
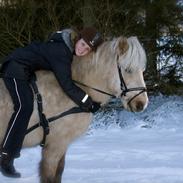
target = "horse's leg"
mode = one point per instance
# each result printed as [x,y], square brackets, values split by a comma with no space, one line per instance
[53,154]
[60,169]
[52,164]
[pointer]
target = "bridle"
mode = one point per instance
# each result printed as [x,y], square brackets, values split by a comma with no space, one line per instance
[124,89]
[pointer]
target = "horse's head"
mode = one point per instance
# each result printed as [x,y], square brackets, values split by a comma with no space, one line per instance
[131,63]
[117,68]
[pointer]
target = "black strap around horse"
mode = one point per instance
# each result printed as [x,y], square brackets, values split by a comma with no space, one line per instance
[73,110]
[44,122]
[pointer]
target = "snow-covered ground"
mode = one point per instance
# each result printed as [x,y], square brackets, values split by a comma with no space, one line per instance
[122,147]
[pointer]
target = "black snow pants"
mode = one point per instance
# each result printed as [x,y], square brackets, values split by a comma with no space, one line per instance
[22,97]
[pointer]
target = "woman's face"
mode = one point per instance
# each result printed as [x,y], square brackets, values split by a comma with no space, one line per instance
[82,48]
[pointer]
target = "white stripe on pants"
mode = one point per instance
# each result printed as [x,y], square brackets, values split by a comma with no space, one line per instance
[16,88]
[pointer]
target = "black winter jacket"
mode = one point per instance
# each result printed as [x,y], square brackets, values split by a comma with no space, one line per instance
[54,56]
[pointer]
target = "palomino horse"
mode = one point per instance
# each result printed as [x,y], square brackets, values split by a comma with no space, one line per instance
[116,68]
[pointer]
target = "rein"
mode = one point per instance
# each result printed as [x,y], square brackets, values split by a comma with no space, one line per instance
[124,89]
[98,90]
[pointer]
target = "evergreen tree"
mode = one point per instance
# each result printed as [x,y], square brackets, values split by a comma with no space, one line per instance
[157,23]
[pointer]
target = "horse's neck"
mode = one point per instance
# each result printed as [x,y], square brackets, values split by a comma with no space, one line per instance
[92,72]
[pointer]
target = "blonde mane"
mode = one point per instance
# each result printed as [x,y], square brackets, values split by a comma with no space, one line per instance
[135,58]
[131,57]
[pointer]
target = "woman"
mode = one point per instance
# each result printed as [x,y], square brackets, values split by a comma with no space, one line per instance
[55,55]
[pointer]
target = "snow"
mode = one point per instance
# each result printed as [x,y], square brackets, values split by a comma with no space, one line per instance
[121,147]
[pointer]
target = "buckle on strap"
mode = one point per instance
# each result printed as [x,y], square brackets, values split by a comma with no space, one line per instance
[38,97]
[45,124]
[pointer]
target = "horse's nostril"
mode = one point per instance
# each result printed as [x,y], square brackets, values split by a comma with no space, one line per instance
[139,106]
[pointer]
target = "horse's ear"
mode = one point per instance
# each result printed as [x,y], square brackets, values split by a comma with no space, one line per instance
[122,45]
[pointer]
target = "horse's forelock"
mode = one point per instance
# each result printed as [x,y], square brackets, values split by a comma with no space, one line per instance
[120,45]
[131,54]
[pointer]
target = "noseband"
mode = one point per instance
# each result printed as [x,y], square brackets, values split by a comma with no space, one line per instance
[124,89]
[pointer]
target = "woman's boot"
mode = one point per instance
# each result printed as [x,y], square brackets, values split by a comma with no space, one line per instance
[7,167]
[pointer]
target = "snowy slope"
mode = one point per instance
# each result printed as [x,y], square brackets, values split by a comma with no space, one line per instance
[122,147]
